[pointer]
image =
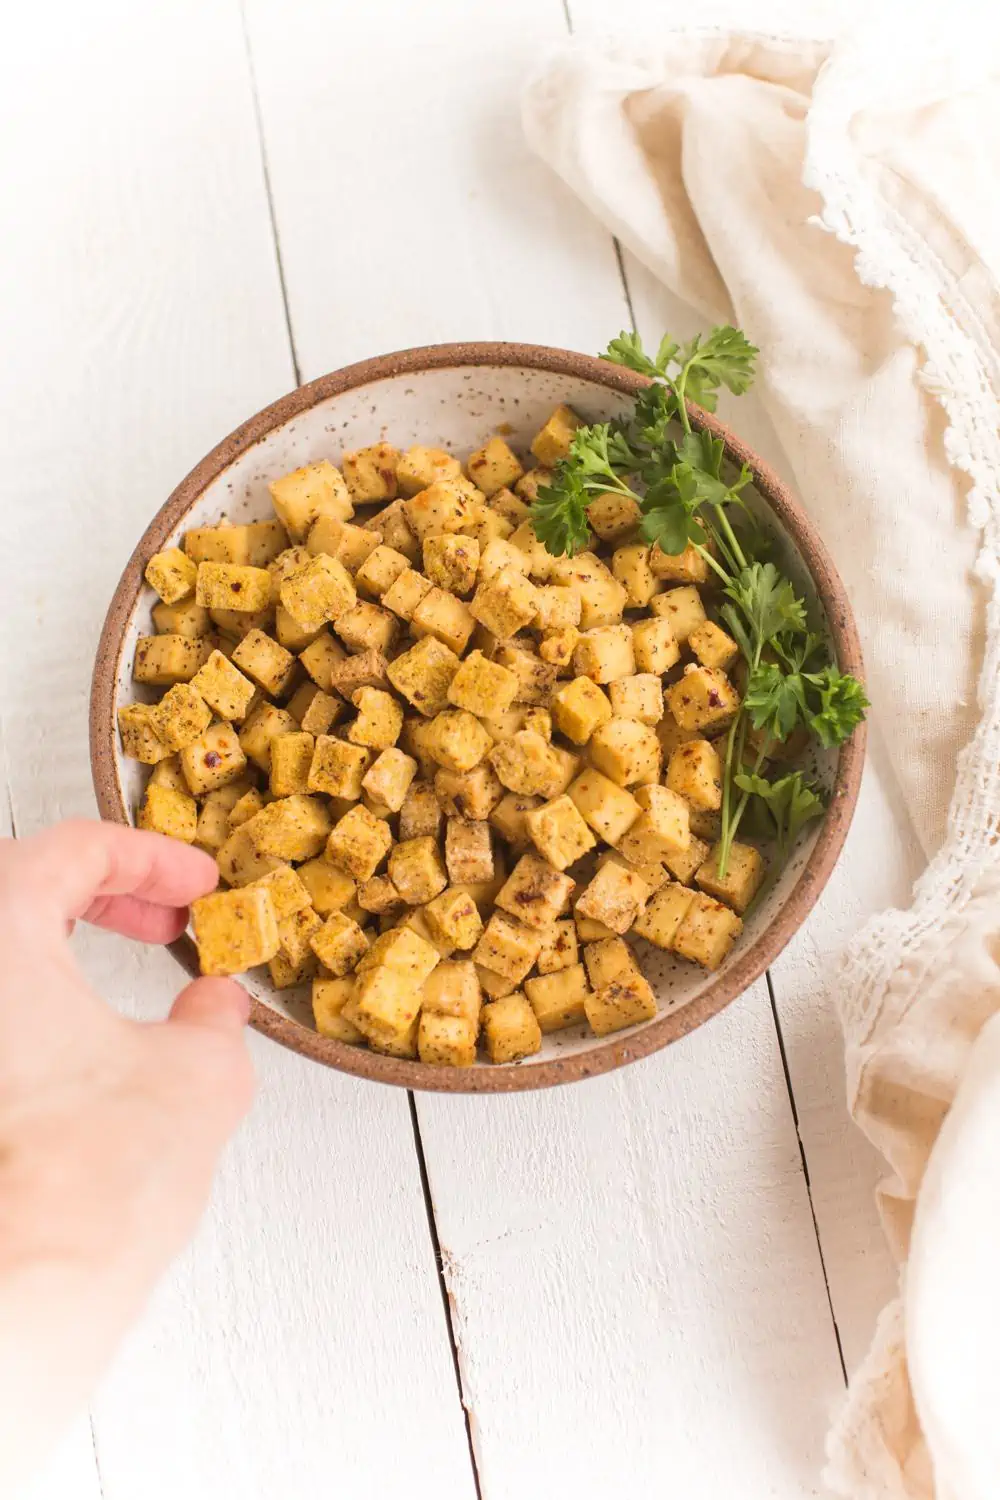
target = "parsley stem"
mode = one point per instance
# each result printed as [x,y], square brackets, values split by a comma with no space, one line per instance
[718,568]
[679,383]
[730,535]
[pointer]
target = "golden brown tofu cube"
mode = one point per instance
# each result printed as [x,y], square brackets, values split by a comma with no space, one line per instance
[213,818]
[453,990]
[168,773]
[232,586]
[320,658]
[468,851]
[402,1044]
[683,608]
[315,710]
[315,490]
[140,740]
[608,960]
[452,562]
[223,687]
[366,670]
[349,544]
[443,507]
[424,674]
[494,986]
[604,654]
[656,649]
[329,996]
[447,1041]
[291,758]
[553,441]
[602,597]
[213,759]
[684,863]
[386,1003]
[447,619]
[559,832]
[742,880]
[338,768]
[457,740]
[294,827]
[172,574]
[664,913]
[494,466]
[535,893]
[482,687]
[707,932]
[339,944]
[181,716]
[234,930]
[468,794]
[329,888]
[247,807]
[684,567]
[267,663]
[663,827]
[703,698]
[241,862]
[289,633]
[173,813]
[559,948]
[525,763]
[288,894]
[359,843]
[508,818]
[380,896]
[261,727]
[614,517]
[294,934]
[370,473]
[505,604]
[615,896]
[651,871]
[639,697]
[162,660]
[501,556]
[321,591]
[395,530]
[510,1029]
[626,751]
[454,917]
[417,870]
[256,543]
[234,624]
[366,627]
[379,720]
[713,647]
[536,679]
[695,773]
[379,571]
[630,566]
[420,467]
[404,594]
[185,618]
[284,566]
[607,807]
[508,947]
[624,1002]
[580,708]
[558,999]
[531,482]
[389,777]
[420,815]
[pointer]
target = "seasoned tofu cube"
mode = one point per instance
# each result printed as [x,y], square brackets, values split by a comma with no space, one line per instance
[441,508]
[559,948]
[261,727]
[468,851]
[368,669]
[482,687]
[298,704]
[162,660]
[702,698]
[339,944]
[510,1029]
[292,828]
[447,619]
[507,946]
[615,896]
[532,481]
[248,806]
[223,687]
[321,657]
[366,627]
[494,985]
[457,740]
[487,525]
[684,863]
[379,720]
[695,773]
[370,473]
[241,862]
[684,567]
[380,896]
[289,633]
[707,932]
[505,604]
[602,597]
[535,893]
[453,990]
[683,608]
[494,466]
[168,772]
[231,586]
[234,624]
[607,807]
[499,557]
[406,952]
[172,574]
[330,889]
[420,815]
[525,763]
[395,530]
[630,565]
[380,570]
[420,467]
[558,832]
[540,720]
[742,880]
[174,813]
[447,1041]
[321,591]
[140,740]
[558,607]
[536,679]
[614,517]
[452,562]
[294,934]
[656,650]
[291,758]
[287,892]
[713,647]
[359,843]
[553,441]
[605,654]
[505,504]
[285,566]
[623,1002]
[671,735]
[213,759]
[509,816]
[301,497]
[589,931]
[454,917]
[662,828]
[664,913]
[337,768]
[579,708]
[349,544]
[256,543]
[213,820]
[651,871]
[414,738]
[424,674]
[558,646]
[234,930]
[329,996]
[558,999]
[186,618]
[267,663]
[639,697]
[402,1044]
[626,751]
[321,712]
[404,594]
[417,871]
[608,960]
[388,778]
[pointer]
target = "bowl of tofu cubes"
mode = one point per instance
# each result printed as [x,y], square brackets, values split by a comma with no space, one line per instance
[464,795]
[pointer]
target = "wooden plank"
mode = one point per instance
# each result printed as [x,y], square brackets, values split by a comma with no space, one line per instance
[301,1344]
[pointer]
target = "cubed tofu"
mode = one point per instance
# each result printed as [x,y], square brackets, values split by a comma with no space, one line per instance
[162,660]
[267,663]
[553,441]
[536,679]
[559,607]
[535,893]
[420,467]
[639,697]
[370,473]
[664,913]
[366,627]
[494,986]
[213,819]
[380,896]
[602,597]
[319,592]
[213,759]
[500,557]
[321,713]
[420,815]
[540,720]
[661,829]
[707,932]
[248,806]
[255,543]
[510,1029]
[404,950]
[653,872]
[482,687]
[380,570]
[447,1041]
[289,633]
[579,708]
[389,777]
[703,698]
[494,466]
[292,828]
[683,608]
[330,889]
[172,574]
[684,567]
[369,669]
[291,758]
[608,960]
[509,817]
[168,772]
[403,1044]
[294,934]
[287,892]
[742,880]
[285,566]
[351,545]
[607,807]
[630,566]
[559,948]
[232,586]
[447,619]
[695,773]
[468,851]
[320,658]
[339,944]
[234,624]
[223,687]
[532,481]
[359,843]
[185,618]
[615,896]
[453,990]
[656,649]
[525,763]
[508,946]
[338,768]
[386,1004]
[454,917]
[589,931]
[452,562]
[329,996]
[559,832]
[261,727]
[505,504]
[505,604]
[417,870]
[395,530]
[614,517]
[443,507]
[234,930]
[623,1002]
[379,720]
[604,654]
[139,736]
[174,813]
[558,999]
[713,647]
[684,863]
[626,751]
[424,674]
[404,594]
[304,495]
[457,741]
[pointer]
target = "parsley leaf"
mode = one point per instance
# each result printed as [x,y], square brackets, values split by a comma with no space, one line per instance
[775,700]
[842,705]
[559,514]
[627,350]
[768,601]
[792,802]
[725,358]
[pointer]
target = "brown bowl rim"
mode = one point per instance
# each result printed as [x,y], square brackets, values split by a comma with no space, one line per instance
[668,1026]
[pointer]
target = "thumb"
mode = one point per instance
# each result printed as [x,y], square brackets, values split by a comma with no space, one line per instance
[218,1004]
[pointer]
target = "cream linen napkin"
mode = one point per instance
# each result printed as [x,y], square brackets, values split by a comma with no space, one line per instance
[838,202]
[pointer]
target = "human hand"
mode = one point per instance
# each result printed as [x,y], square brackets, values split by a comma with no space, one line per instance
[109,1128]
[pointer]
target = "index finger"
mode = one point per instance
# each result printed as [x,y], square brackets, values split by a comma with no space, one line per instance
[73,864]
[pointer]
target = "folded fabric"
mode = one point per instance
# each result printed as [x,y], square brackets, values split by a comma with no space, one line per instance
[836,201]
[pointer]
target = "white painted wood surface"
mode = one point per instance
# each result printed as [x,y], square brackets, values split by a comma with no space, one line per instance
[637,1266]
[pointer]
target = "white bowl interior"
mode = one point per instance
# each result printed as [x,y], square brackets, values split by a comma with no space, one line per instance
[456,408]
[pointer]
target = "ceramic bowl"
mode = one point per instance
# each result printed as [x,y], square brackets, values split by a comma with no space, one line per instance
[456,395]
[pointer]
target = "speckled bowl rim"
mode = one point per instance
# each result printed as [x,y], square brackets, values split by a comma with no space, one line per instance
[668,1026]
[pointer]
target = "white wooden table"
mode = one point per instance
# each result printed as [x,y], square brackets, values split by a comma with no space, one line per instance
[648,1284]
